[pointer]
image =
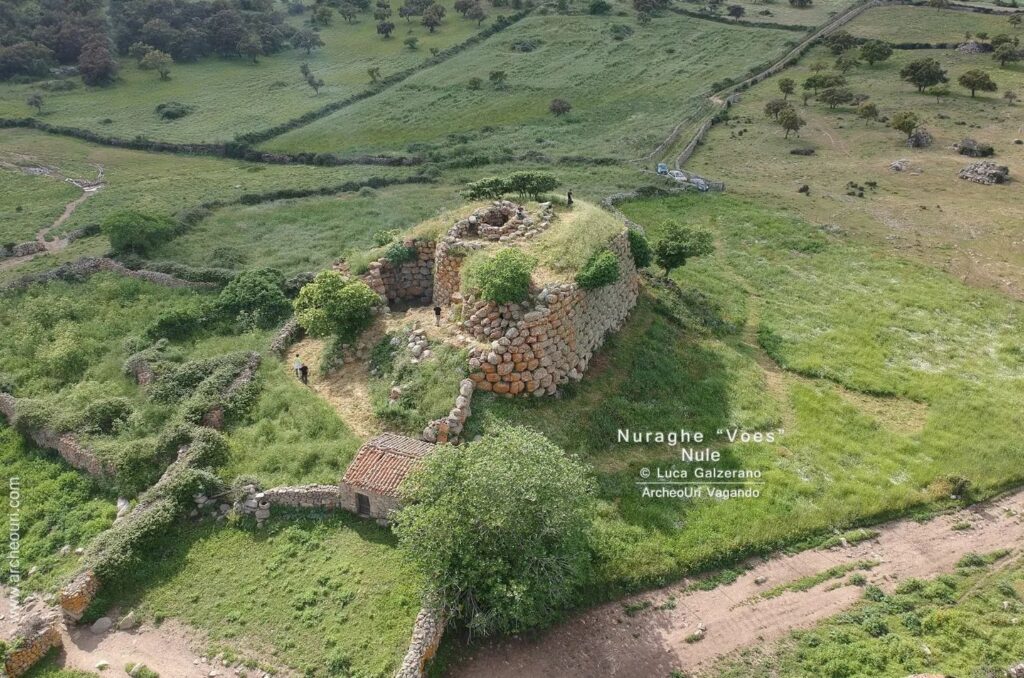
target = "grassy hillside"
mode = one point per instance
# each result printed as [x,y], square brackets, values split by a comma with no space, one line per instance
[961,624]
[234,96]
[30,203]
[925,212]
[326,596]
[877,369]
[626,95]
[915,24]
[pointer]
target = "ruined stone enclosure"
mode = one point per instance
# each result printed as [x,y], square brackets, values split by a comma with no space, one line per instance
[519,349]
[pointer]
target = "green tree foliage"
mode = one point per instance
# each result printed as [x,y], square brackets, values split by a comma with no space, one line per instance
[257,295]
[975,80]
[679,244]
[938,91]
[500,529]
[773,107]
[924,73]
[531,184]
[307,39]
[385,29]
[476,13]
[158,61]
[35,100]
[640,248]
[334,304]
[736,11]
[787,86]
[791,121]
[503,278]
[836,96]
[96,64]
[840,41]
[905,121]
[599,7]
[600,270]
[846,63]
[412,42]
[136,232]
[868,111]
[489,188]
[432,16]
[875,51]
[1005,53]
[498,79]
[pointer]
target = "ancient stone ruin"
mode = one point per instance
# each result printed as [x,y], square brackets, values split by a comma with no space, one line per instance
[32,630]
[974,149]
[985,173]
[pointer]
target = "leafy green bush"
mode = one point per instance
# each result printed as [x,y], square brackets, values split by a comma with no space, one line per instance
[490,188]
[503,278]
[382,238]
[640,248]
[258,295]
[333,304]
[398,253]
[500,527]
[178,324]
[526,184]
[137,232]
[105,415]
[681,243]
[601,270]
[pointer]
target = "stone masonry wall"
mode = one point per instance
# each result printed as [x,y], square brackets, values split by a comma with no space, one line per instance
[426,637]
[33,644]
[411,281]
[549,340]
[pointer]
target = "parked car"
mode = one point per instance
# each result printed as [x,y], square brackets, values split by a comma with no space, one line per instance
[699,183]
[677,175]
[662,168]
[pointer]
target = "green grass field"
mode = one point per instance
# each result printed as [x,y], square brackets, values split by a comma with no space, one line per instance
[327,596]
[888,371]
[626,95]
[58,507]
[922,213]
[234,96]
[306,234]
[166,183]
[915,24]
[30,203]
[784,13]
[961,624]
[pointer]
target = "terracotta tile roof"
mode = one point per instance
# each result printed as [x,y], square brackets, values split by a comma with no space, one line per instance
[383,463]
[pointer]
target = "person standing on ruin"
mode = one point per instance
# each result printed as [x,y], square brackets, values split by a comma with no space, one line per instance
[437,316]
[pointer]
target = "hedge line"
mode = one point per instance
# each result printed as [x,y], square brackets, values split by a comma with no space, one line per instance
[233,150]
[741,22]
[500,24]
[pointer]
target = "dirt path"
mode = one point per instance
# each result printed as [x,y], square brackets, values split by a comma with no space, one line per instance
[345,389]
[606,642]
[88,188]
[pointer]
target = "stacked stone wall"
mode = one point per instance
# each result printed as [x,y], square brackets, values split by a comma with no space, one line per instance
[32,645]
[409,281]
[426,637]
[544,343]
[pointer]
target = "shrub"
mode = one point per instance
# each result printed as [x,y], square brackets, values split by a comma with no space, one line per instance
[503,278]
[599,7]
[104,415]
[490,188]
[179,323]
[500,528]
[258,294]
[138,232]
[172,110]
[399,253]
[382,238]
[529,184]
[602,269]
[558,108]
[333,304]
[640,249]
[679,244]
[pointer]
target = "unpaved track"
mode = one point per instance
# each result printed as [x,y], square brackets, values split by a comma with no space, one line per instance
[605,642]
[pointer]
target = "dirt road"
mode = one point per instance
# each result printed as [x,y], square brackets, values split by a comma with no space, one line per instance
[606,642]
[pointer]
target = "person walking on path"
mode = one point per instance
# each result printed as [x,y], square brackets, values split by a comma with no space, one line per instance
[437,316]
[304,374]
[297,365]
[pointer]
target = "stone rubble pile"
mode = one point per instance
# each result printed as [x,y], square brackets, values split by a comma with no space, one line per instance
[985,173]
[419,347]
[37,632]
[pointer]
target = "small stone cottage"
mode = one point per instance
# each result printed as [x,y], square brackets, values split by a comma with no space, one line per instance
[370,485]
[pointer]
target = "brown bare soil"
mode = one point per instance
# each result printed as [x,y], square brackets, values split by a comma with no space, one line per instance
[607,642]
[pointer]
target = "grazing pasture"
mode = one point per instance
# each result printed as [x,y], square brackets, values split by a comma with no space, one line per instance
[626,95]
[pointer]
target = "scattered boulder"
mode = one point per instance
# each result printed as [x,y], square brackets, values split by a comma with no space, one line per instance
[128,622]
[802,151]
[973,47]
[1016,671]
[102,625]
[974,149]
[987,173]
[900,165]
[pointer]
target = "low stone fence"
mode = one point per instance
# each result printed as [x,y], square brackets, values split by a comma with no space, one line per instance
[215,417]
[65,444]
[449,429]
[426,637]
[83,268]
[289,333]
[548,341]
